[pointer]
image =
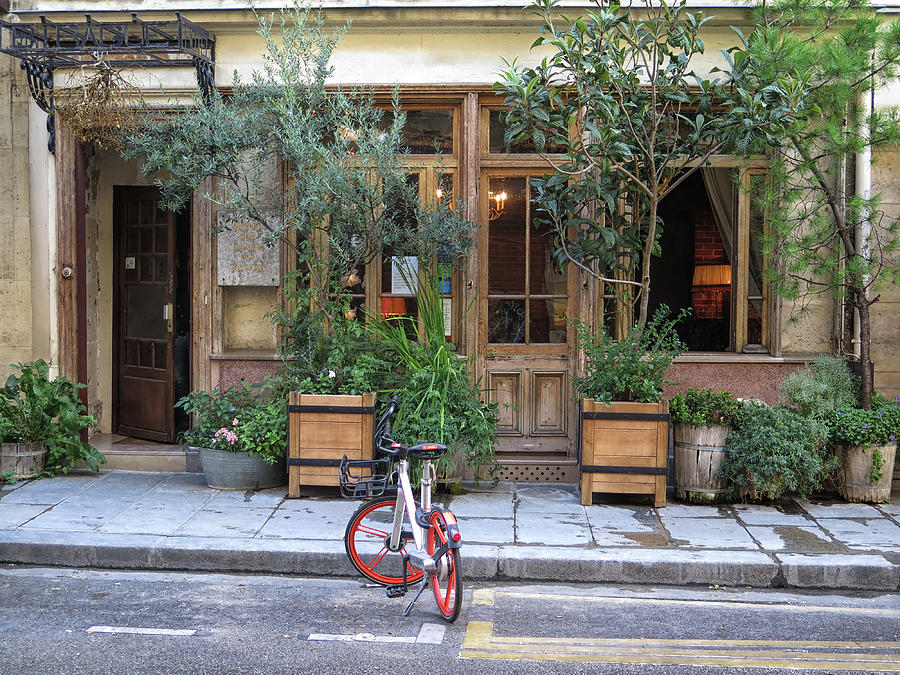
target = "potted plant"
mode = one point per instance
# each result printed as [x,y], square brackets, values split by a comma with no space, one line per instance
[866,448]
[40,424]
[773,452]
[702,420]
[240,434]
[438,399]
[624,421]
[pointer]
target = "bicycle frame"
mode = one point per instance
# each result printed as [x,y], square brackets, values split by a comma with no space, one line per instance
[406,503]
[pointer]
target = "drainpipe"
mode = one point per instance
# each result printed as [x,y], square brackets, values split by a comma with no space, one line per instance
[863,190]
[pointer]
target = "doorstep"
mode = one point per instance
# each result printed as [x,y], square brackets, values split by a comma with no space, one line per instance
[132,454]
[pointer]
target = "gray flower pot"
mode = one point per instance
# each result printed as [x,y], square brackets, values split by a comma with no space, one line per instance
[239,470]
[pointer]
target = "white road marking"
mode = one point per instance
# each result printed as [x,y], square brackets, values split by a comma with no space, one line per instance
[429,634]
[141,631]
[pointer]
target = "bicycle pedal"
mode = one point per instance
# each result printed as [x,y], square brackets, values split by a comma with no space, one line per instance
[397,591]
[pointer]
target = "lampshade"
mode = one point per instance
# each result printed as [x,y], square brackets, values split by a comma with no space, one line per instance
[712,275]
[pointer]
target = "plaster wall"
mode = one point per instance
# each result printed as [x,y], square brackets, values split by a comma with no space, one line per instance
[886,312]
[16,331]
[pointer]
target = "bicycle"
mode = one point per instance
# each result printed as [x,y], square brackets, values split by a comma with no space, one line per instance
[394,541]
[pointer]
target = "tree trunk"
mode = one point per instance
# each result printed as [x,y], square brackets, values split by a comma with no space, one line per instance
[865,339]
[645,262]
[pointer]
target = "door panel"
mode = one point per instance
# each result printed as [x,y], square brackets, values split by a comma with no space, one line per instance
[145,266]
[525,301]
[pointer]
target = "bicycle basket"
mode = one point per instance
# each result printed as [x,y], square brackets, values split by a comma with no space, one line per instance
[364,478]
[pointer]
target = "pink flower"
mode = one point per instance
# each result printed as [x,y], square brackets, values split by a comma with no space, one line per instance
[234,422]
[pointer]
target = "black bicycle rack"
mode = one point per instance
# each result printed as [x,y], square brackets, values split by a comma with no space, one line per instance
[365,478]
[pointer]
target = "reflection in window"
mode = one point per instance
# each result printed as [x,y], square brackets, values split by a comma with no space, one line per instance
[755,265]
[426,132]
[498,146]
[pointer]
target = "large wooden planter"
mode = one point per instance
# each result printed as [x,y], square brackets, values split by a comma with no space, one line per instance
[856,484]
[322,428]
[624,449]
[23,460]
[699,452]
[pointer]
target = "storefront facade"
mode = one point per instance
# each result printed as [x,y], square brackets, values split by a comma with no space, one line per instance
[136,302]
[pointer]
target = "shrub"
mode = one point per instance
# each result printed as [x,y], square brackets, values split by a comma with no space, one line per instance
[633,368]
[855,426]
[34,408]
[818,389]
[774,452]
[705,407]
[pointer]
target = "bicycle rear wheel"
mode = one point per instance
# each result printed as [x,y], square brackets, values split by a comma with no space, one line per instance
[367,542]
[446,580]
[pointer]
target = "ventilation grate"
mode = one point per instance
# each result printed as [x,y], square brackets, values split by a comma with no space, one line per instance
[546,473]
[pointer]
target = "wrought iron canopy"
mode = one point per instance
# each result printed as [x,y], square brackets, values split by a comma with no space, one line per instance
[48,45]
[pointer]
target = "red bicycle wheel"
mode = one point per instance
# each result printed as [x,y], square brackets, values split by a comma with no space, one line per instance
[446,580]
[367,542]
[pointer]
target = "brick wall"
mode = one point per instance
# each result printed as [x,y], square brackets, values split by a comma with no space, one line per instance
[709,303]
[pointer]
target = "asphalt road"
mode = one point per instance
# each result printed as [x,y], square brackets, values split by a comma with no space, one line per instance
[92,621]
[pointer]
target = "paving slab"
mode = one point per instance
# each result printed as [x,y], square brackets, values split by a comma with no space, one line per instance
[553,529]
[78,549]
[709,533]
[757,514]
[163,519]
[79,514]
[270,498]
[483,505]
[694,511]
[311,520]
[14,515]
[623,526]
[185,483]
[49,491]
[536,498]
[811,538]
[230,522]
[871,534]
[838,510]
[487,530]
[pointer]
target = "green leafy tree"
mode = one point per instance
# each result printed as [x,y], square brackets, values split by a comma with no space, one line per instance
[618,100]
[827,238]
[345,193]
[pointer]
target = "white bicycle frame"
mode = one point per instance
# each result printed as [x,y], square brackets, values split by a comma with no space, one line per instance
[406,503]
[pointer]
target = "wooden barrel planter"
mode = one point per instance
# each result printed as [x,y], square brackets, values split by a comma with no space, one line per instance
[23,460]
[322,428]
[624,449]
[856,484]
[699,451]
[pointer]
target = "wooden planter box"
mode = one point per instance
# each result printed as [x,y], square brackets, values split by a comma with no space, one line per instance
[322,428]
[624,449]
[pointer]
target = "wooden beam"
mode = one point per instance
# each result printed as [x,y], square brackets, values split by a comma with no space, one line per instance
[65,270]
[203,289]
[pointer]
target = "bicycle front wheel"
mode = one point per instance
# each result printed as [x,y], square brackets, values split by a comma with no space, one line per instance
[446,580]
[367,542]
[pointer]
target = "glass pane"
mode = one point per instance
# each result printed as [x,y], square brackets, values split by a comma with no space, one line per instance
[144,312]
[132,237]
[506,321]
[547,278]
[497,144]
[162,351]
[429,132]
[162,240]
[146,240]
[391,277]
[162,268]
[146,354]
[755,265]
[146,265]
[547,321]
[131,212]
[131,352]
[357,311]
[506,236]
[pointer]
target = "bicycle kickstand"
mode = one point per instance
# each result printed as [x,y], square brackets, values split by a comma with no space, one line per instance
[422,587]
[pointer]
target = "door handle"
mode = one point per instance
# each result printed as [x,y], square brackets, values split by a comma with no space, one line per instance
[169,316]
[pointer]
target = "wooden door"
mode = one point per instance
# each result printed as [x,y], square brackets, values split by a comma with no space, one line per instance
[144,260]
[525,301]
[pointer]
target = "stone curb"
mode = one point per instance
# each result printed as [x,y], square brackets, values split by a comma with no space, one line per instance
[479,562]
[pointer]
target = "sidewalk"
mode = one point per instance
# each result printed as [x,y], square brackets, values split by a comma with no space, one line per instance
[516,531]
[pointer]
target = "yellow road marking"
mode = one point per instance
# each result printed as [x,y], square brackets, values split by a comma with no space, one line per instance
[479,642]
[699,603]
[483,596]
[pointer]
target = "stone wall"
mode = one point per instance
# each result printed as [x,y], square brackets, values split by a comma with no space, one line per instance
[15,225]
[886,312]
